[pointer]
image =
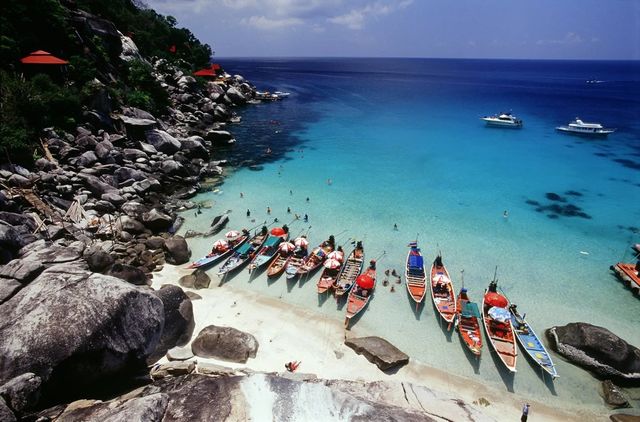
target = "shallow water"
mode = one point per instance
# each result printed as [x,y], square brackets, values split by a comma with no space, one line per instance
[402,143]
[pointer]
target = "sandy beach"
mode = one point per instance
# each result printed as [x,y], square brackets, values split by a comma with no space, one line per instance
[286,332]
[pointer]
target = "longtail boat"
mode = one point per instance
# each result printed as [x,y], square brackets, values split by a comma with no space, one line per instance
[350,271]
[221,249]
[269,248]
[244,253]
[442,292]
[277,266]
[415,277]
[332,267]
[360,295]
[317,256]
[467,323]
[298,257]
[531,343]
[497,325]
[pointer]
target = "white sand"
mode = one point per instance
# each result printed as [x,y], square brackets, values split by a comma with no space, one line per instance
[286,332]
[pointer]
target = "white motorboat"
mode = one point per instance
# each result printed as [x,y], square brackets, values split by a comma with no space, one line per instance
[282,94]
[589,129]
[503,120]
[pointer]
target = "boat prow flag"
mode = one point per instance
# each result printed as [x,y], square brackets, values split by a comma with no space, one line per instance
[413,244]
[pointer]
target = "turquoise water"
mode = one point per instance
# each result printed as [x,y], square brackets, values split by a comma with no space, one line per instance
[403,144]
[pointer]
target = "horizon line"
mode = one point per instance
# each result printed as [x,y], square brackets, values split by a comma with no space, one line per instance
[423,58]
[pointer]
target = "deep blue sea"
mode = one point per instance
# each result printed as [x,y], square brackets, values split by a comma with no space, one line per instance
[402,142]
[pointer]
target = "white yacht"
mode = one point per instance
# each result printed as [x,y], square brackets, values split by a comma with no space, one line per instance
[503,120]
[282,94]
[581,128]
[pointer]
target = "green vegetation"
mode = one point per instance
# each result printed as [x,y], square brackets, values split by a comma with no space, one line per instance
[35,97]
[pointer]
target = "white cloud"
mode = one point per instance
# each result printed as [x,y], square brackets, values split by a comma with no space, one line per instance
[265,23]
[569,39]
[356,18]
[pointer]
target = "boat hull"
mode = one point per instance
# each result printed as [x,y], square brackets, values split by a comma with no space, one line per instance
[502,340]
[442,293]
[532,345]
[415,277]
[356,302]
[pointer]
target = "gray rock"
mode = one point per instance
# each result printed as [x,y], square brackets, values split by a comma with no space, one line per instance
[613,396]
[219,137]
[99,260]
[378,351]
[597,349]
[22,270]
[95,185]
[148,185]
[172,369]
[162,141]
[172,168]
[138,113]
[10,243]
[128,273]
[129,224]
[157,221]
[6,415]
[16,219]
[194,147]
[55,253]
[72,328]
[154,242]
[114,198]
[125,173]
[22,392]
[8,288]
[176,250]
[19,181]
[87,159]
[133,154]
[236,96]
[137,123]
[193,295]
[148,149]
[198,279]
[225,343]
[179,353]
[150,408]
[178,320]
[103,149]
[134,209]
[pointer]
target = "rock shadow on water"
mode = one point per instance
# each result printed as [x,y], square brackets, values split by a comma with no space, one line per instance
[573,193]
[634,165]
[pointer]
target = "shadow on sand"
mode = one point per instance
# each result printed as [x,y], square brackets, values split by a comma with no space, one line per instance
[473,359]
[507,376]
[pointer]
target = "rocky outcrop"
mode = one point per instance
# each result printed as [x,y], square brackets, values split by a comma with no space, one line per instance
[225,343]
[378,351]
[149,408]
[162,141]
[178,320]
[598,350]
[22,392]
[72,328]
[177,251]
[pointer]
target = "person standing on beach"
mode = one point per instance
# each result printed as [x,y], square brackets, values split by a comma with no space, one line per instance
[525,413]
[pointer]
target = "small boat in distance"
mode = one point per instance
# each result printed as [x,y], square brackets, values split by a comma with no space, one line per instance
[361,293]
[578,127]
[498,327]
[504,119]
[442,293]
[282,94]
[415,277]
[530,342]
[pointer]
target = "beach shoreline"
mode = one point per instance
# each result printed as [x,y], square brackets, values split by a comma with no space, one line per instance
[319,344]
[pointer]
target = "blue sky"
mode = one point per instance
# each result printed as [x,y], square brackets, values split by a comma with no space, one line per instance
[536,29]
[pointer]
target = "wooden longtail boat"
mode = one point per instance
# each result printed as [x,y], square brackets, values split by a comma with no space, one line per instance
[442,292]
[298,257]
[351,270]
[467,323]
[244,253]
[497,324]
[277,266]
[415,277]
[269,248]
[332,267]
[221,249]
[629,274]
[315,259]
[531,343]
[360,294]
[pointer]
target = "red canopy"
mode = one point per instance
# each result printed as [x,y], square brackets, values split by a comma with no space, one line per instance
[205,72]
[495,299]
[365,281]
[277,231]
[215,66]
[42,57]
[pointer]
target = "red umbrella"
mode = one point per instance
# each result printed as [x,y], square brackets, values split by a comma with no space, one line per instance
[495,299]
[365,281]
[42,57]
[277,231]
[205,72]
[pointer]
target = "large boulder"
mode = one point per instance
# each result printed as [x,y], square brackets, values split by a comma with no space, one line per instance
[6,415]
[10,243]
[22,392]
[378,351]
[236,96]
[74,328]
[157,221]
[162,141]
[128,224]
[178,320]
[225,343]
[193,147]
[98,260]
[149,408]
[219,137]
[22,270]
[176,250]
[598,350]
[128,273]
[95,185]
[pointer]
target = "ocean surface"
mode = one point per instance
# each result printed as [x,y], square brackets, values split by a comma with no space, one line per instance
[402,143]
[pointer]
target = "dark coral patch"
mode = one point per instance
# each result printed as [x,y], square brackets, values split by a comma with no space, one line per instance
[532,202]
[628,163]
[573,193]
[553,216]
[552,196]
[601,154]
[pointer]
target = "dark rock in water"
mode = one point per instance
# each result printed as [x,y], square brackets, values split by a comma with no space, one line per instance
[378,351]
[178,320]
[217,224]
[22,392]
[157,221]
[73,328]
[256,167]
[128,273]
[613,395]
[6,415]
[194,147]
[554,197]
[553,216]
[634,165]
[219,137]
[162,141]
[149,408]
[191,233]
[225,343]
[598,350]
[532,202]
[573,193]
[176,250]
